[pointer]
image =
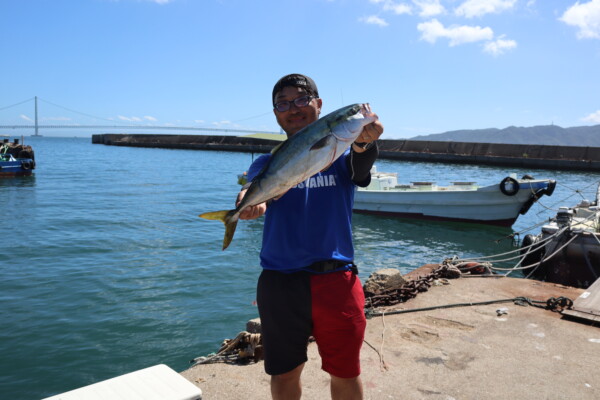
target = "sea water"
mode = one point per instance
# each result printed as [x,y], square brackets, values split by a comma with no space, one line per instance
[105,267]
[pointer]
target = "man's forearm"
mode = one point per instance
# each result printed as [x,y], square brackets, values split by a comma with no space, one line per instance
[360,164]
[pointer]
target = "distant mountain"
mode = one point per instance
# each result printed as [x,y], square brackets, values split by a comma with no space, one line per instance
[551,135]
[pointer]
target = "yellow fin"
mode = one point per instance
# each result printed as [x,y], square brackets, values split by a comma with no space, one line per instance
[215,215]
[225,217]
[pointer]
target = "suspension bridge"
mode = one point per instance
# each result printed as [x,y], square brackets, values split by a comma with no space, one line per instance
[36,126]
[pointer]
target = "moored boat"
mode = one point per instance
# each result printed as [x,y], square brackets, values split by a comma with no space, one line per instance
[567,250]
[498,204]
[16,159]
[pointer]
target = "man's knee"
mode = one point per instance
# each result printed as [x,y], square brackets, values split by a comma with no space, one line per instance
[288,377]
[346,388]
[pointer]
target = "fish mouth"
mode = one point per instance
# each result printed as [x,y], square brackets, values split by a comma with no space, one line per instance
[365,109]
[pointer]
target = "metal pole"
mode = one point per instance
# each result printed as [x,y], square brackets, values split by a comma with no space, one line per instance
[36,119]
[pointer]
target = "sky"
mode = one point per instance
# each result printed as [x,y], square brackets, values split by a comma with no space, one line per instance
[425,66]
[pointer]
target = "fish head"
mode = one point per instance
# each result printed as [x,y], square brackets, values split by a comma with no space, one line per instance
[348,122]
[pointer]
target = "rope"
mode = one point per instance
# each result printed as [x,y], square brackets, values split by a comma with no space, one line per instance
[553,304]
[492,257]
[530,248]
[382,364]
[575,192]
[242,347]
[552,255]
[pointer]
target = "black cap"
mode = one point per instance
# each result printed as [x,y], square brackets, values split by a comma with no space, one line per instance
[296,80]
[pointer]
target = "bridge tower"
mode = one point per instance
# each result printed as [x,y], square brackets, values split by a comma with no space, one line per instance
[36,118]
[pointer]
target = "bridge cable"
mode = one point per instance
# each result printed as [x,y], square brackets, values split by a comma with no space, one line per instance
[77,112]
[24,101]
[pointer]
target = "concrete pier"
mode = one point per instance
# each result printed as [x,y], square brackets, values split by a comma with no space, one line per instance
[528,156]
[465,353]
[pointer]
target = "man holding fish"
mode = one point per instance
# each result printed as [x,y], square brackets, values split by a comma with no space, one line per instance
[309,284]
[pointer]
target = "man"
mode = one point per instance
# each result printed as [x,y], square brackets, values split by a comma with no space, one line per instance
[308,286]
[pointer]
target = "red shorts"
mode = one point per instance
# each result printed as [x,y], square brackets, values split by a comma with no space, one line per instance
[339,321]
[329,307]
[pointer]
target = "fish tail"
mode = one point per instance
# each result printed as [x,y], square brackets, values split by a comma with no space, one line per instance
[225,216]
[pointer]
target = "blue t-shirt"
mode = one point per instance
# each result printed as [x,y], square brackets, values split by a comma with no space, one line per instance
[311,222]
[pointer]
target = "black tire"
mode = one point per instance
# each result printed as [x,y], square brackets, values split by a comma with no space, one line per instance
[514,187]
[535,254]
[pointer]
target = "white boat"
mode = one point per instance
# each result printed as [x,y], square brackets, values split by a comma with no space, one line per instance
[499,204]
[567,250]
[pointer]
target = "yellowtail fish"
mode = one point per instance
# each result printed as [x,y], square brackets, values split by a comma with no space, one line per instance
[310,150]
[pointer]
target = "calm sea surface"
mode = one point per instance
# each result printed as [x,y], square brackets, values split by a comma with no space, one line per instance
[105,267]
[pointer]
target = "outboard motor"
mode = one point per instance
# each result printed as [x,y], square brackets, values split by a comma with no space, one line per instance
[564,216]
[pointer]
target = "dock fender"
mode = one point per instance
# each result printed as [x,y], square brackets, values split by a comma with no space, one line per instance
[535,254]
[509,186]
[25,165]
[550,188]
[527,205]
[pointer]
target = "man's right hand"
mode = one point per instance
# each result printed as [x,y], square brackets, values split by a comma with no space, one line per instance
[251,212]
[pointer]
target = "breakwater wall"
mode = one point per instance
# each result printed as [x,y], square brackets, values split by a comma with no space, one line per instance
[498,154]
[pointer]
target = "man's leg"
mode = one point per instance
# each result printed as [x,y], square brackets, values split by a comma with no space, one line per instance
[284,307]
[287,386]
[346,388]
[339,329]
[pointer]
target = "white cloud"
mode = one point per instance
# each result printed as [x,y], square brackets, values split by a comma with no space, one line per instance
[433,30]
[25,117]
[56,119]
[129,119]
[221,123]
[373,20]
[429,8]
[199,121]
[396,8]
[150,118]
[499,46]
[586,17]
[477,8]
[593,117]
[161,1]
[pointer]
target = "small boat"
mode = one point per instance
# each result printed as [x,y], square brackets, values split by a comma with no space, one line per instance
[16,159]
[498,204]
[567,250]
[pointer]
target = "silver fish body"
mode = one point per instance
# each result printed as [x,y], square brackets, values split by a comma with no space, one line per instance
[310,150]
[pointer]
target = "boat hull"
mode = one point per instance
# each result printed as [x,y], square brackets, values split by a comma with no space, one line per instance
[577,264]
[20,167]
[487,205]
[497,222]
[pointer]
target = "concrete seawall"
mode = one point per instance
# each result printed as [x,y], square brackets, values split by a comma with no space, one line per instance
[510,155]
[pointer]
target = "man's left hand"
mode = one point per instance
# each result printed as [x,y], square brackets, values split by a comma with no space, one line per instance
[370,133]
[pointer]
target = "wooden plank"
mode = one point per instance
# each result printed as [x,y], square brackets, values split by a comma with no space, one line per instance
[587,305]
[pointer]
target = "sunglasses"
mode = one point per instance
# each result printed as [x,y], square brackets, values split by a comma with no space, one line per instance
[300,102]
